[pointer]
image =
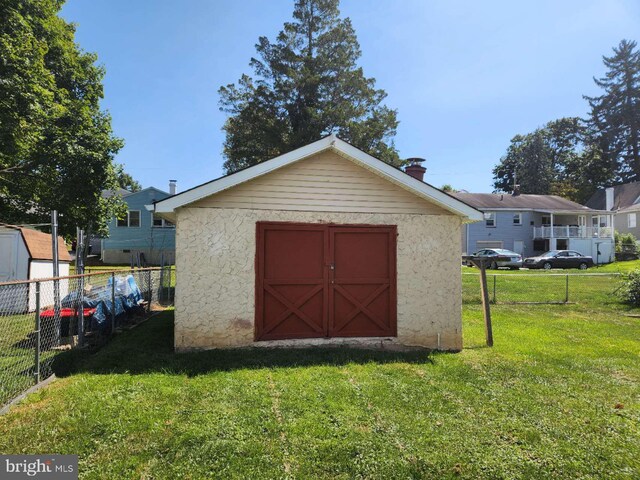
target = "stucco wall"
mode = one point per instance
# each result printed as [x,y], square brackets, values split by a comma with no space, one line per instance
[216,277]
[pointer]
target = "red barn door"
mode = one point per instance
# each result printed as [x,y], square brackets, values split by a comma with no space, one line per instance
[325,281]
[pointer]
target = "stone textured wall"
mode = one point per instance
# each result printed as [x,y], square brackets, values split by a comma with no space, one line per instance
[216,277]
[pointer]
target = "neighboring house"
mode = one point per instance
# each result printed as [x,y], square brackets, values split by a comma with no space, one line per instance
[27,254]
[533,224]
[318,246]
[140,231]
[624,202]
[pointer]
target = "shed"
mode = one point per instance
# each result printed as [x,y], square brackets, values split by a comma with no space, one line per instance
[323,245]
[26,254]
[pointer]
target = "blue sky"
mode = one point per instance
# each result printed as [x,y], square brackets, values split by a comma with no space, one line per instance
[465,76]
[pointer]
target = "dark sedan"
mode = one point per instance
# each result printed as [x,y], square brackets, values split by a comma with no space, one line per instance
[559,259]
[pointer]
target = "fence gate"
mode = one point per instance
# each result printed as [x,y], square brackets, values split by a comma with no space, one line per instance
[325,281]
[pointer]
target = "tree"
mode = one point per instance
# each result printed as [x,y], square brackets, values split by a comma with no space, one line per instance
[125,180]
[561,158]
[528,163]
[615,115]
[56,144]
[307,86]
[448,188]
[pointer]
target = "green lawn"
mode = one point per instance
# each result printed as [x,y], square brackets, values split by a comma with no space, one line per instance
[557,397]
[621,267]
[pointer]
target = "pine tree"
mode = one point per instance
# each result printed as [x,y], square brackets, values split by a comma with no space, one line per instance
[615,115]
[307,86]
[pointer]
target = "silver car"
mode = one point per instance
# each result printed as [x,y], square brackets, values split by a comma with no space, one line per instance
[514,262]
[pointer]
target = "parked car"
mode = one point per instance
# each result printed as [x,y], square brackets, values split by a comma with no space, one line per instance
[559,259]
[502,258]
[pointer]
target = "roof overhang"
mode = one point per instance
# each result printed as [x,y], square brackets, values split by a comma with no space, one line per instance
[575,212]
[167,207]
[543,210]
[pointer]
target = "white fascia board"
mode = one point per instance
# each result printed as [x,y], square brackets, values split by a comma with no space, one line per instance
[384,170]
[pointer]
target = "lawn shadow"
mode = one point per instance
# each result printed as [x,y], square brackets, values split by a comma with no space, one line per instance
[149,348]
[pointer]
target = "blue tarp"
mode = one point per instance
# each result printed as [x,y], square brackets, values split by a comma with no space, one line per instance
[127,296]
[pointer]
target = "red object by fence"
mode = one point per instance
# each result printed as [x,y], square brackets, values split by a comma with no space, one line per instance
[66,312]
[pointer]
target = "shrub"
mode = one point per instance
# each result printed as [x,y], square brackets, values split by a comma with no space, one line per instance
[630,290]
[625,242]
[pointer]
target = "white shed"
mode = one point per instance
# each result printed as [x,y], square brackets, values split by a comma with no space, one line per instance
[26,254]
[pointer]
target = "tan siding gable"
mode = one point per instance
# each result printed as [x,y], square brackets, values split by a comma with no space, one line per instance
[324,182]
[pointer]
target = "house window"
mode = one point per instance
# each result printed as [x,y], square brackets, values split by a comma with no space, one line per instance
[132,219]
[490,219]
[517,219]
[631,220]
[546,220]
[161,222]
[600,221]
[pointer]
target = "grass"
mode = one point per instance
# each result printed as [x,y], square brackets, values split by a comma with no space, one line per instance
[620,267]
[557,397]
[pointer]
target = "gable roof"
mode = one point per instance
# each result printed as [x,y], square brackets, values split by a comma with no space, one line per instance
[333,143]
[122,192]
[39,244]
[149,188]
[126,193]
[546,203]
[624,196]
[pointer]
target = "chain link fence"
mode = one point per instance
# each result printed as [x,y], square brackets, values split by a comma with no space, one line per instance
[543,288]
[41,318]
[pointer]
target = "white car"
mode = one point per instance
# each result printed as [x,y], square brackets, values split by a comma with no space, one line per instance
[514,262]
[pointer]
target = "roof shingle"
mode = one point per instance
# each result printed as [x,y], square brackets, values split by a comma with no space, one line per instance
[484,201]
[624,196]
[39,244]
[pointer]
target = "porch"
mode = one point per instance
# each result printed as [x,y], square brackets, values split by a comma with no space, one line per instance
[572,231]
[572,225]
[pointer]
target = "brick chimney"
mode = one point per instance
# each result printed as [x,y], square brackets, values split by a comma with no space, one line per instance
[415,169]
[516,190]
[172,187]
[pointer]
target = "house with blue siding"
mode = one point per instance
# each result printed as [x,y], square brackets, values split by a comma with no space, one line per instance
[140,232]
[533,224]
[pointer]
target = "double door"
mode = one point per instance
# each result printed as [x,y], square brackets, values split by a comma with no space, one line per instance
[318,280]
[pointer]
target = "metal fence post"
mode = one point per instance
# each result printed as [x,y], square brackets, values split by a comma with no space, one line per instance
[149,291]
[494,288]
[169,286]
[566,295]
[161,283]
[113,302]
[81,312]
[37,332]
